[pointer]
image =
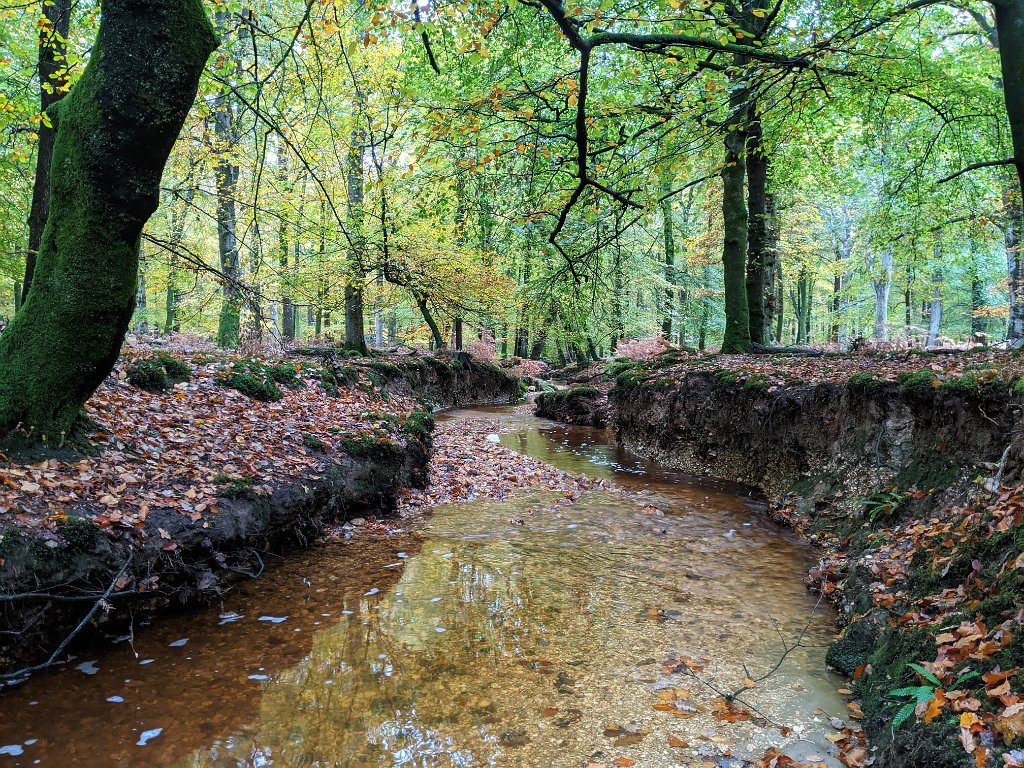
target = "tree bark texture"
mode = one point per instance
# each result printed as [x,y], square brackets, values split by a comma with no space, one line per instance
[114,133]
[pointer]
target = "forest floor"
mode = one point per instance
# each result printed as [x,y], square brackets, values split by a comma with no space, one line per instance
[196,435]
[929,575]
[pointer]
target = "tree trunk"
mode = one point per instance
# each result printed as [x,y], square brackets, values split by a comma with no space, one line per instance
[53,82]
[881,285]
[734,244]
[780,298]
[114,133]
[378,312]
[771,265]
[1014,270]
[141,309]
[1010,31]
[757,227]
[355,336]
[178,217]
[705,312]
[226,172]
[935,321]
[670,257]
[428,317]
[978,322]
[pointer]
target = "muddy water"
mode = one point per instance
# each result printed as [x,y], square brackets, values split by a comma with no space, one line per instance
[529,632]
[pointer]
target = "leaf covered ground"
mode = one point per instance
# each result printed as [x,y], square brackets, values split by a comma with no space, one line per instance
[188,443]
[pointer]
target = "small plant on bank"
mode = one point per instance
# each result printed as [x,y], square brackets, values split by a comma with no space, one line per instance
[928,696]
[884,503]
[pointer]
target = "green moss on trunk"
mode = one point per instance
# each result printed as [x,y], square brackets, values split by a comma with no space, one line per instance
[115,131]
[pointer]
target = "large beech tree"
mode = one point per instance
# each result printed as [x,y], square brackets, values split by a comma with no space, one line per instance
[114,132]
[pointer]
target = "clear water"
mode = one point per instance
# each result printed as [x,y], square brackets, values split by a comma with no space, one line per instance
[526,632]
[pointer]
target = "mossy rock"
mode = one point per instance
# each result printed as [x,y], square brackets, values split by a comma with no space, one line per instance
[158,373]
[855,647]
[262,381]
[232,487]
[419,426]
[927,472]
[313,442]
[864,382]
[976,387]
[370,447]
[264,390]
[917,382]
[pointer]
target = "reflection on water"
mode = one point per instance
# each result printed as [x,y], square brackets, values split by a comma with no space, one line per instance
[530,632]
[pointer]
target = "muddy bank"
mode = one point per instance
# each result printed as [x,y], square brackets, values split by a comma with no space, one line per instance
[906,476]
[91,566]
[817,438]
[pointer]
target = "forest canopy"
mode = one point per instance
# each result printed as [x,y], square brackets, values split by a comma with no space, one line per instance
[554,178]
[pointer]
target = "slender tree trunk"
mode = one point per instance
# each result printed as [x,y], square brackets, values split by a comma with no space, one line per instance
[355,338]
[179,214]
[780,298]
[378,312]
[428,317]
[53,83]
[705,312]
[1015,272]
[881,284]
[734,244]
[119,122]
[226,172]
[668,232]
[935,321]
[978,320]
[803,306]
[757,227]
[771,265]
[141,305]
[837,292]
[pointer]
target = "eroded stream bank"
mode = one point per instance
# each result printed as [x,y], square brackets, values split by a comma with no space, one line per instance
[534,631]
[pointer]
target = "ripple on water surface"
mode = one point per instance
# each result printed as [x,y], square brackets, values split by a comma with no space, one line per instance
[529,632]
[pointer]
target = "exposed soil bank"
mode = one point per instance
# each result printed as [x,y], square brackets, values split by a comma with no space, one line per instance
[52,575]
[906,478]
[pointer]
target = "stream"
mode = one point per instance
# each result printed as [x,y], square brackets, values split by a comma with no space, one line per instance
[526,632]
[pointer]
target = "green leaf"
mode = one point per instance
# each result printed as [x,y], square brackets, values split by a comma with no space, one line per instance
[925,674]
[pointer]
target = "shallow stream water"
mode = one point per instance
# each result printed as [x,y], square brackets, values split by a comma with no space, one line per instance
[526,632]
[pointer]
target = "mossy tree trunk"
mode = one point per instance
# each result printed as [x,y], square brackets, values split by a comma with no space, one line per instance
[114,132]
[355,335]
[1010,32]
